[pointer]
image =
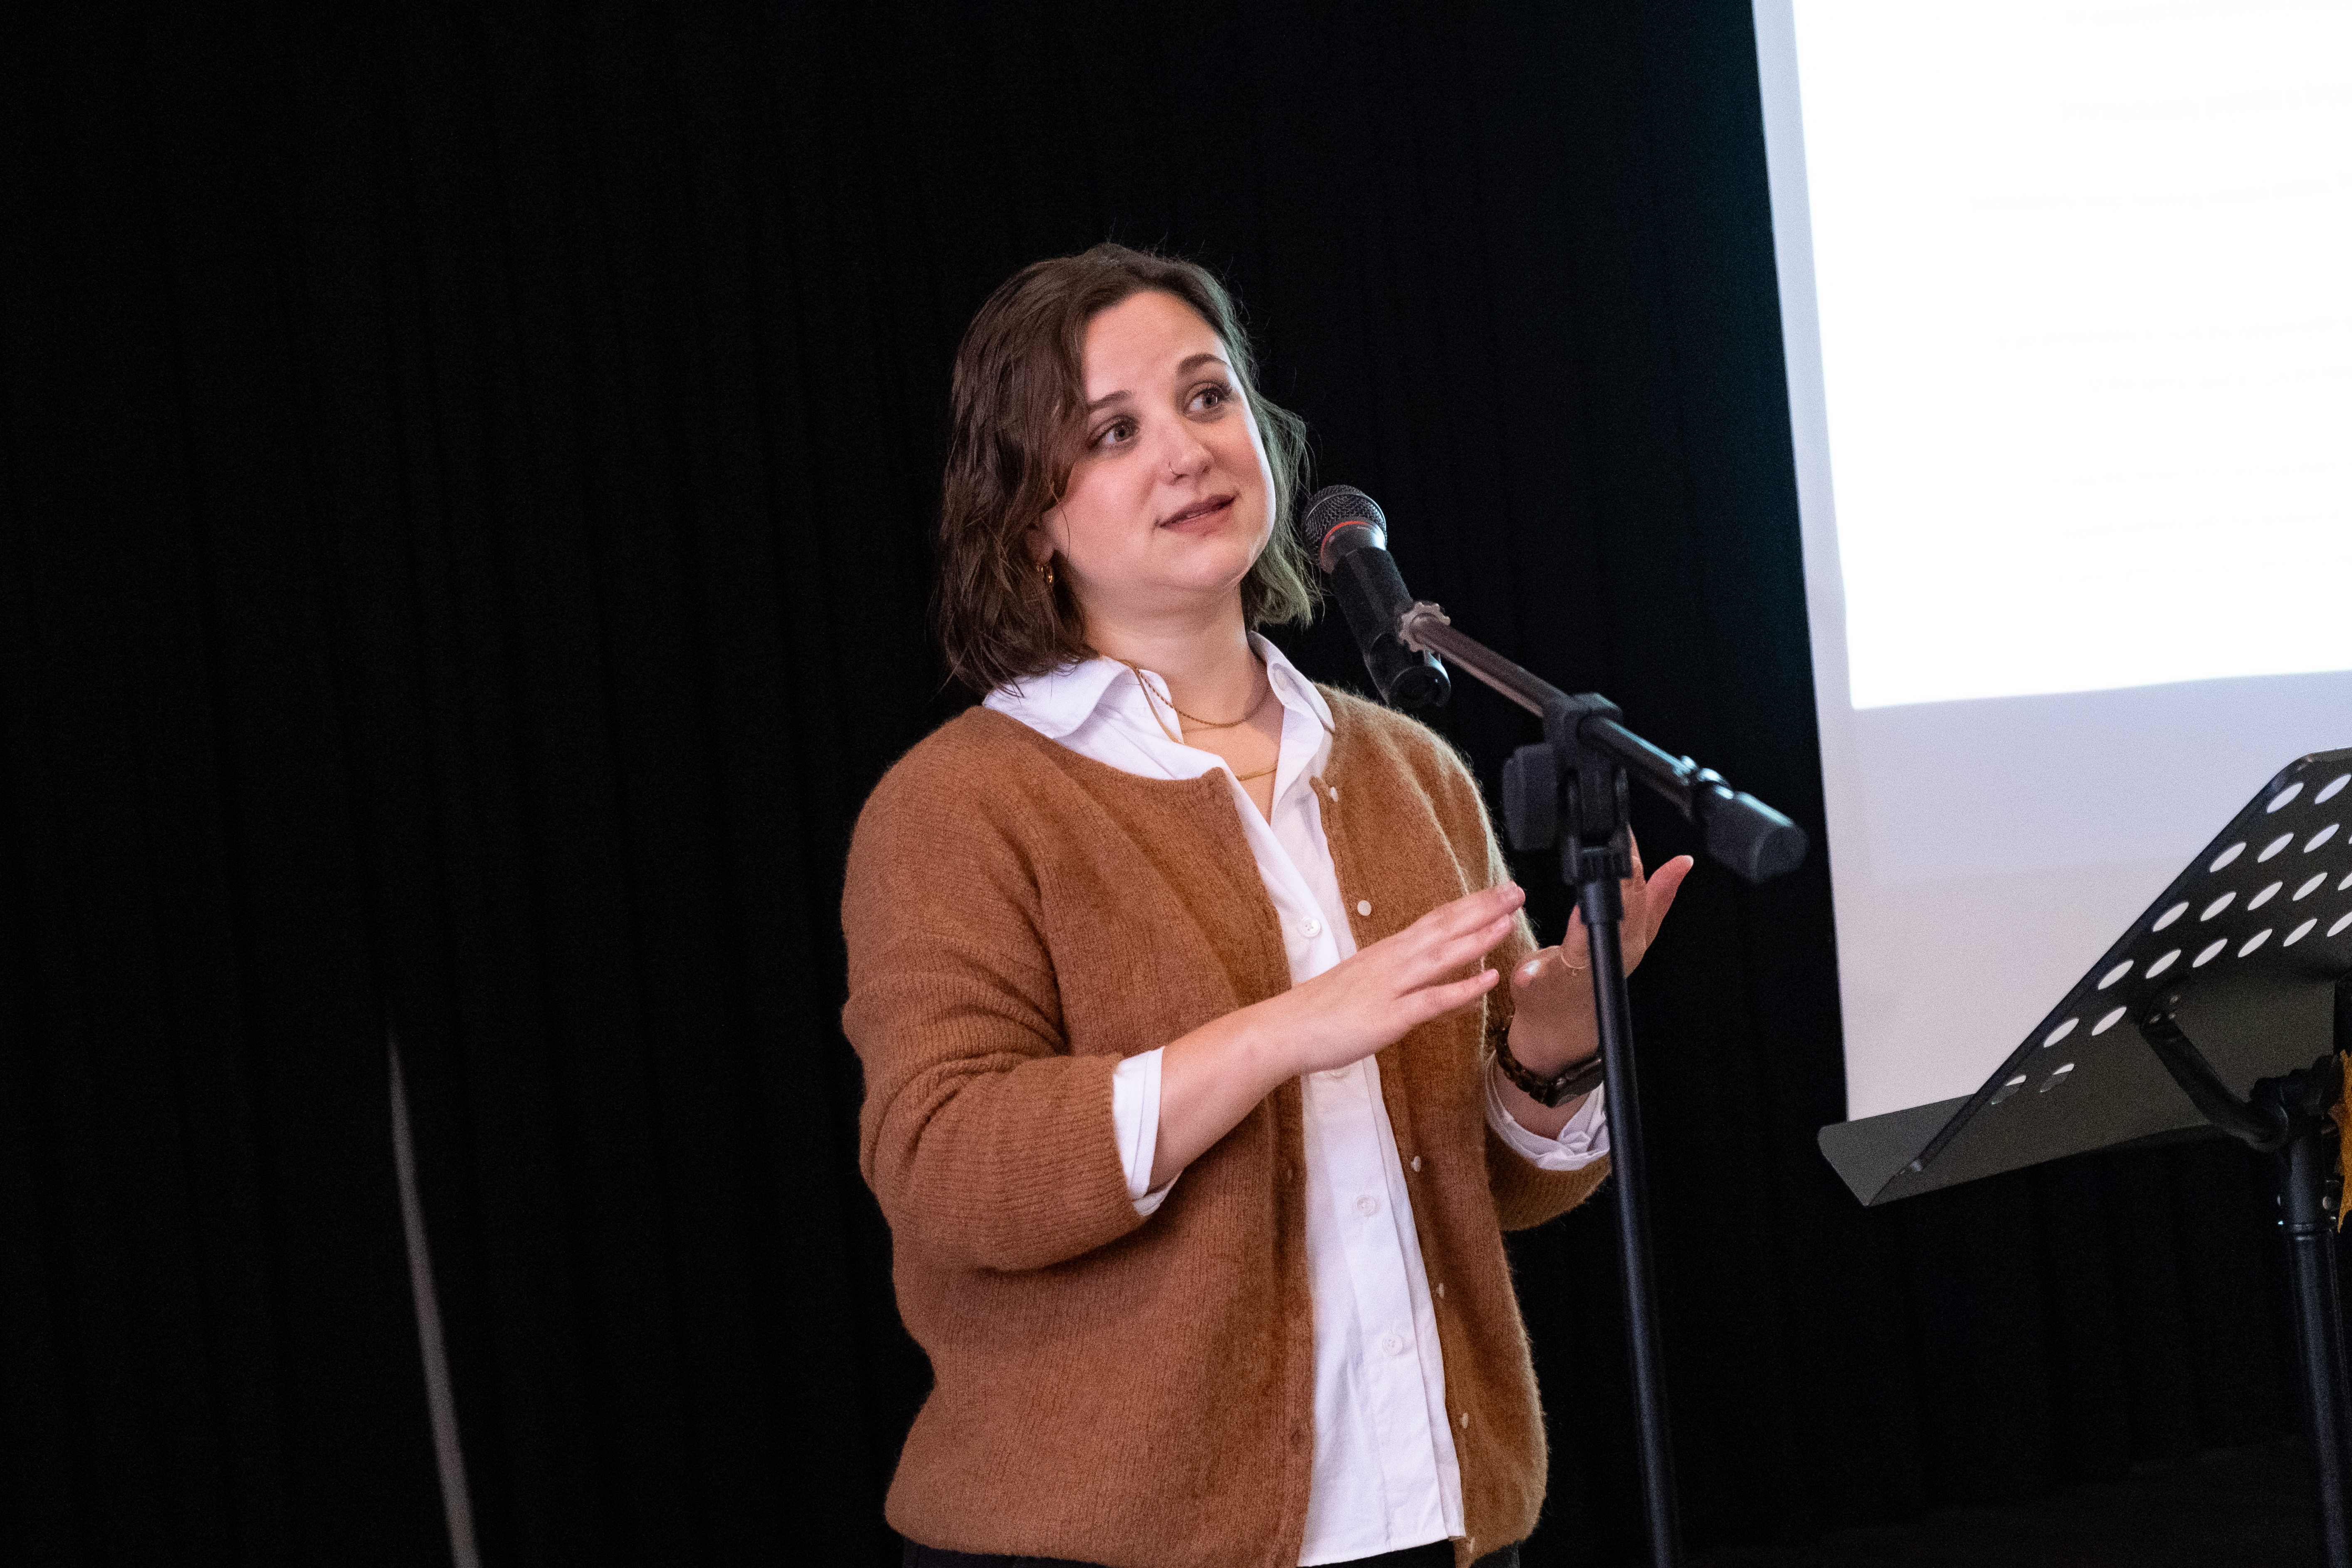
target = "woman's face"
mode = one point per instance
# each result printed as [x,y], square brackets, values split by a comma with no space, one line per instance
[1170,501]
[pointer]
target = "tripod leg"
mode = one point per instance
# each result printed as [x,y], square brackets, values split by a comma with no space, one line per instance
[2319,1329]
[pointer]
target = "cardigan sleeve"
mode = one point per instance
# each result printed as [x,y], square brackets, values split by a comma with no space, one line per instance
[987,1141]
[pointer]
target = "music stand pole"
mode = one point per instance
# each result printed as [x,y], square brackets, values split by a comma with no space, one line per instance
[2305,1179]
[2289,1116]
[1571,792]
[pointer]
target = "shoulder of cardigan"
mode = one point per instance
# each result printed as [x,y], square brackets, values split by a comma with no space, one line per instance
[1359,724]
[981,743]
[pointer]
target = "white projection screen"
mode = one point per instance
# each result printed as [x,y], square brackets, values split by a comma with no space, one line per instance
[2066,287]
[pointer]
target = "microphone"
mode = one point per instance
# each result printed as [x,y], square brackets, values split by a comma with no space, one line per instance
[1399,638]
[1344,530]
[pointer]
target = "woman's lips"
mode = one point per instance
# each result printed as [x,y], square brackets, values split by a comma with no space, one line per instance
[1198,511]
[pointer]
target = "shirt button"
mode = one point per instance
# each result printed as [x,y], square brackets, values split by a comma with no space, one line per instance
[1335,1074]
[1310,926]
[1394,1344]
[1367,1205]
[1363,906]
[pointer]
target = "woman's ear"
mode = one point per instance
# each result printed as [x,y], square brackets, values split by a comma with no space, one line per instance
[1038,542]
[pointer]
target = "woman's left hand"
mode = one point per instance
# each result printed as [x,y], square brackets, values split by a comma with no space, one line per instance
[1552,1021]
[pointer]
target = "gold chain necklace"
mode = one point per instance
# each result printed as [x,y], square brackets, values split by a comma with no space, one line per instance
[1152,699]
[1200,723]
[1195,721]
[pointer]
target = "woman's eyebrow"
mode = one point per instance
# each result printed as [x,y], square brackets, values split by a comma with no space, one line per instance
[1204,357]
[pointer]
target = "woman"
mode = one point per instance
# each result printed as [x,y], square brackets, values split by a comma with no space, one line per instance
[1174,980]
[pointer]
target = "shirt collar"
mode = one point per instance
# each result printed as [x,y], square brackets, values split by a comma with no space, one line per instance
[1060,700]
[1291,688]
[1058,703]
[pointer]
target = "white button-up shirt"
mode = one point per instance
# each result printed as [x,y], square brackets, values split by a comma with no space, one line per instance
[1385,1474]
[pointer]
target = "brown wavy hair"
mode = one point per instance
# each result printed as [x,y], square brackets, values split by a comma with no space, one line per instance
[1018,411]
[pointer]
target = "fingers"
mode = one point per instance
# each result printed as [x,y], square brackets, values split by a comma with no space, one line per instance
[1465,948]
[1454,933]
[1436,1001]
[1659,896]
[1443,942]
[1669,879]
[1574,949]
[1427,969]
[1648,896]
[1474,910]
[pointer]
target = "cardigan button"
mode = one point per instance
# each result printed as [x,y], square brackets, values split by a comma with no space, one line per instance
[1363,906]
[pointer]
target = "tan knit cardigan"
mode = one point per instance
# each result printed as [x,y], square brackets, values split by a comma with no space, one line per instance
[1111,1388]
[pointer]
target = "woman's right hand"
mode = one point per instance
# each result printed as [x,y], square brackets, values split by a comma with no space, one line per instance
[1216,1075]
[1399,982]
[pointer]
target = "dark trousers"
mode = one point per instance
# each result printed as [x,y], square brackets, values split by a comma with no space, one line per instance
[1436,1554]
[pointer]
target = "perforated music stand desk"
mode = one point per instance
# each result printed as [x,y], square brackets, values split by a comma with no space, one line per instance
[2219,1007]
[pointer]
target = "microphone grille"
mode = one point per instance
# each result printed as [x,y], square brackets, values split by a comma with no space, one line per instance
[1332,505]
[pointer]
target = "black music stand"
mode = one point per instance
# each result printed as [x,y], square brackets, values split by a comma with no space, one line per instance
[2225,1006]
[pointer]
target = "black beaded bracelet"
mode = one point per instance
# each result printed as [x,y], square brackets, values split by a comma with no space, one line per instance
[1577,1078]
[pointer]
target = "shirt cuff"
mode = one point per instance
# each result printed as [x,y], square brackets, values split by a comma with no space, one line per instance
[1584,1140]
[1135,1121]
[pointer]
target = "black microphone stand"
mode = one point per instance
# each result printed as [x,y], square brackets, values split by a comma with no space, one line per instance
[1570,791]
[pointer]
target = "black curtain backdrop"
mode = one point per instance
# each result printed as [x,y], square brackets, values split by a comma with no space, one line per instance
[467,474]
